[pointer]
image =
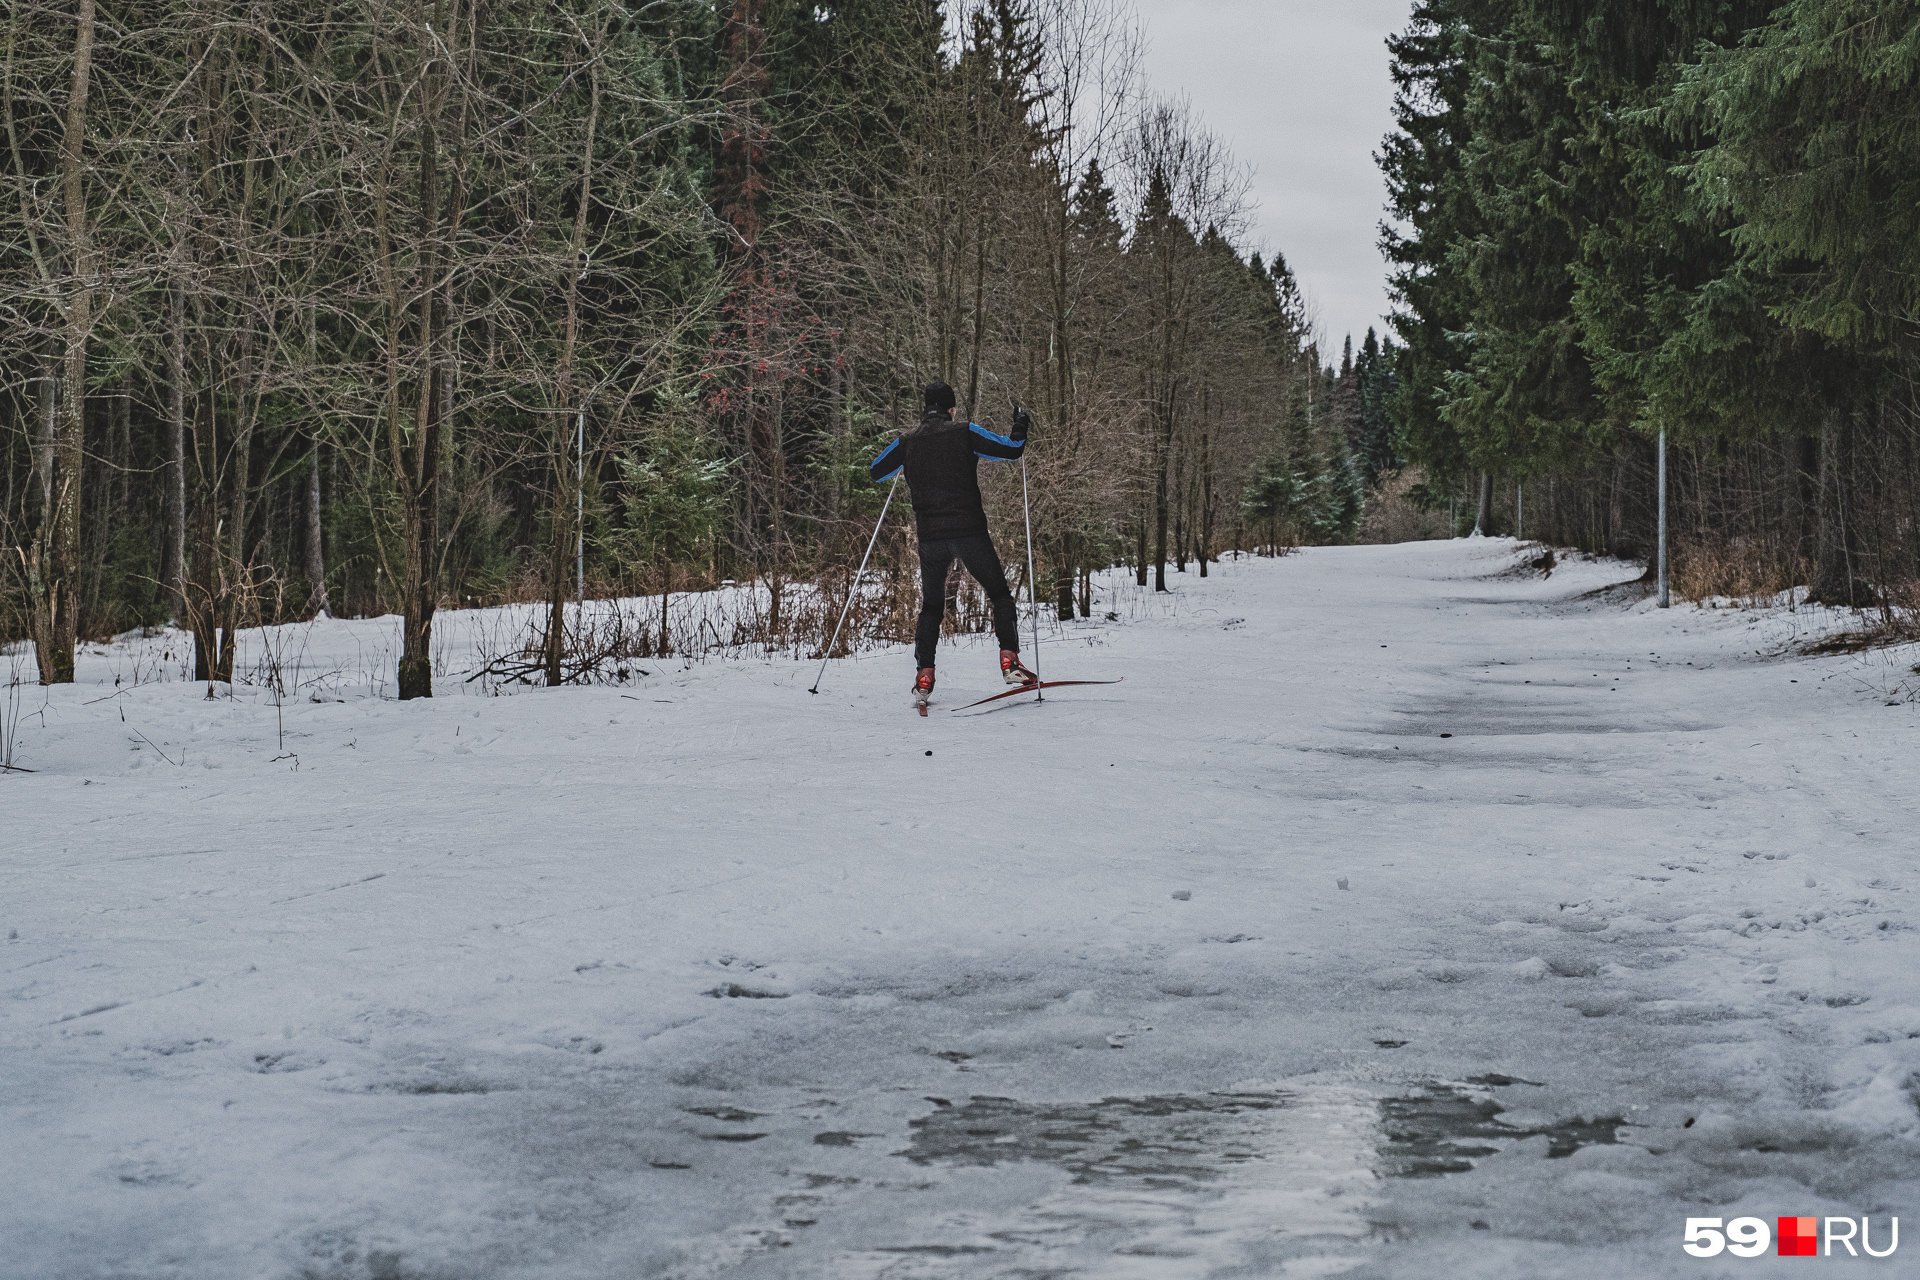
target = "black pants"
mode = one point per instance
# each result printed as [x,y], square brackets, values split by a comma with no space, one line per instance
[983,563]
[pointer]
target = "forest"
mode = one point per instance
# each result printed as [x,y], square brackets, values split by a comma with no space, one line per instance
[1689,221]
[366,309]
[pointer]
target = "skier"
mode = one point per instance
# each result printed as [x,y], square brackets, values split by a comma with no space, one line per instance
[941,459]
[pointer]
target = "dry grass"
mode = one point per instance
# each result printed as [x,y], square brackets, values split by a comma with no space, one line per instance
[1758,577]
[1883,632]
[775,616]
[1735,569]
[790,618]
[1895,622]
[1392,517]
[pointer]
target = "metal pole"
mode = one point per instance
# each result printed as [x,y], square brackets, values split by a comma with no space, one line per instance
[1664,601]
[877,525]
[1033,583]
[580,508]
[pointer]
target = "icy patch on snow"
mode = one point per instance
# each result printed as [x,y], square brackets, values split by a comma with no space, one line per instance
[1444,1128]
[1160,1187]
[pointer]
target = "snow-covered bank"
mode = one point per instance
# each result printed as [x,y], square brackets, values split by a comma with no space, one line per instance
[494,651]
[681,978]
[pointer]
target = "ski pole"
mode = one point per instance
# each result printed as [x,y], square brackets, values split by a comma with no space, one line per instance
[1033,583]
[877,525]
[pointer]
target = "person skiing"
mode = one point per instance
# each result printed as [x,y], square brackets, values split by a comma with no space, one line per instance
[941,458]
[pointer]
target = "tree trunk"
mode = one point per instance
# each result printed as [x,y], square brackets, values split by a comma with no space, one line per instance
[1204,526]
[979,311]
[836,535]
[1616,508]
[1181,522]
[120,449]
[229,623]
[1836,578]
[237,576]
[1160,522]
[416,462]
[777,471]
[316,561]
[1803,473]
[566,411]
[1483,517]
[421,493]
[666,597]
[1063,577]
[59,614]
[39,600]
[176,580]
[211,594]
[46,431]
[419,591]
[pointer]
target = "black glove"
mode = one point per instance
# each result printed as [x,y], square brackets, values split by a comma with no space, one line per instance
[1022,421]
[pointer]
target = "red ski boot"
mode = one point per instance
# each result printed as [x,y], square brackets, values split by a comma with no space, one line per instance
[923,688]
[1012,671]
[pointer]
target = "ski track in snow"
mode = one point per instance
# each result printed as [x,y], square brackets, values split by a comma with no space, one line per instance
[1383,860]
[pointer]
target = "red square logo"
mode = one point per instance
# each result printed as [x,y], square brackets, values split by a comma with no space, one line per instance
[1799,1237]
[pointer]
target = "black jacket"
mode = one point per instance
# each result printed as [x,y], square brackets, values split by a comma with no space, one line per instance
[942,458]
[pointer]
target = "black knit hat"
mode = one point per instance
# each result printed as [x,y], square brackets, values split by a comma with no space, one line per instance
[940,397]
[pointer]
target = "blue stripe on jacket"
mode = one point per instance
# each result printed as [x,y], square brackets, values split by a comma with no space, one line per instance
[994,447]
[875,468]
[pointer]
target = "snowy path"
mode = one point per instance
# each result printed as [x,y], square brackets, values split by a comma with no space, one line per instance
[1174,979]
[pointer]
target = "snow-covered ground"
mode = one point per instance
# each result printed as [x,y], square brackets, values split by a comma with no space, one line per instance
[1402,914]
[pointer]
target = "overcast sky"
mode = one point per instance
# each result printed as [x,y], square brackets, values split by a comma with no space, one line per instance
[1299,91]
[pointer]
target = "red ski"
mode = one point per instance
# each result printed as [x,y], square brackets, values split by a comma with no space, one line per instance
[1029,688]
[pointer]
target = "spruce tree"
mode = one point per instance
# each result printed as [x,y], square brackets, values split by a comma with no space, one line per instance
[1431,215]
[1378,385]
[1813,165]
[1347,404]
